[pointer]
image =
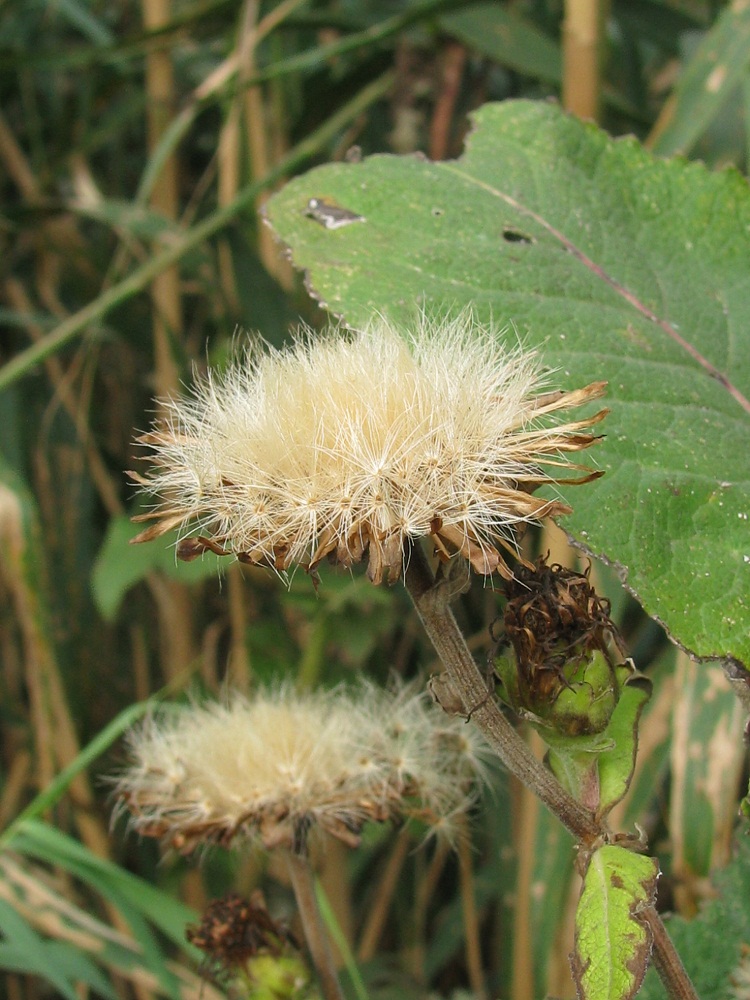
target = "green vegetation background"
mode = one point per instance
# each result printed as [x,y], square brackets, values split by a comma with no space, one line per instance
[137,145]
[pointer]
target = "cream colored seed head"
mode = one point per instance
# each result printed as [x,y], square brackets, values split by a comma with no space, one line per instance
[275,766]
[347,444]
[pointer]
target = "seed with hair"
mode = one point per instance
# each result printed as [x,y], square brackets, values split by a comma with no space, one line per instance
[282,764]
[343,445]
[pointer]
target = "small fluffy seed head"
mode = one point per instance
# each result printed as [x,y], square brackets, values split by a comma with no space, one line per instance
[275,767]
[343,445]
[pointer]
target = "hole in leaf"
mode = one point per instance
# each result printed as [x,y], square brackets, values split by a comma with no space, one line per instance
[515,236]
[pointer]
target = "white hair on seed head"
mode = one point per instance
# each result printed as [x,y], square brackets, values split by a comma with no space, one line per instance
[271,767]
[343,444]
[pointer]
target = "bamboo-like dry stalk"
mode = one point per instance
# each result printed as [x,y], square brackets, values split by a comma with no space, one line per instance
[239,670]
[453,60]
[172,598]
[17,296]
[16,163]
[165,289]
[583,30]
[525,816]
[473,948]
[16,781]
[380,904]
[426,887]
[56,741]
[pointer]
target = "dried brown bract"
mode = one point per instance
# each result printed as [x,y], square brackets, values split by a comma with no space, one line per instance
[567,650]
[233,930]
[554,615]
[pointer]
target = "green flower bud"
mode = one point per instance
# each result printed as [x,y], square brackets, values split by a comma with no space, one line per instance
[564,678]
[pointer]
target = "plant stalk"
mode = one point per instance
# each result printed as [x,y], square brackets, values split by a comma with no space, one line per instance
[432,598]
[301,877]
[666,960]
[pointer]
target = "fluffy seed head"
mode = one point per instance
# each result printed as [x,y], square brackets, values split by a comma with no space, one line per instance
[347,444]
[274,767]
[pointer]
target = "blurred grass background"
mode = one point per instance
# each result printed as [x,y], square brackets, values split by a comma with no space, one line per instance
[137,143]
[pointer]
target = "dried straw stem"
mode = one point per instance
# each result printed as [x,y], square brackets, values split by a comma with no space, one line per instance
[303,885]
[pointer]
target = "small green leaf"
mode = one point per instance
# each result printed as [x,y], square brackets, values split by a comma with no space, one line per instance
[616,764]
[612,946]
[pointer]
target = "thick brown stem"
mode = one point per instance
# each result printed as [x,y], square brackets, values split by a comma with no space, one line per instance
[301,878]
[431,600]
[666,960]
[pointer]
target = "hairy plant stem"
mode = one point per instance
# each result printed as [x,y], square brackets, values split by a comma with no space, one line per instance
[666,960]
[431,599]
[301,877]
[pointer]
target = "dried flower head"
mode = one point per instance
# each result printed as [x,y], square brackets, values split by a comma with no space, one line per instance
[346,444]
[281,764]
[233,930]
[570,662]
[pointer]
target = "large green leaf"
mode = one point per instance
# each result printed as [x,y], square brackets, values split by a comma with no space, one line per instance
[616,266]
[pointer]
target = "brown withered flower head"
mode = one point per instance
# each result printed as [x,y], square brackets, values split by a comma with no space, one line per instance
[568,653]
[553,615]
[346,445]
[234,930]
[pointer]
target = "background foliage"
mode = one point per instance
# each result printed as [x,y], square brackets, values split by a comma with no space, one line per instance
[138,143]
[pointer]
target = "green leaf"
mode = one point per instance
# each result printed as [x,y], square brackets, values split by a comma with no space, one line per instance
[58,963]
[552,851]
[617,763]
[716,70]
[53,792]
[616,266]
[612,946]
[507,39]
[39,840]
[120,565]
[708,758]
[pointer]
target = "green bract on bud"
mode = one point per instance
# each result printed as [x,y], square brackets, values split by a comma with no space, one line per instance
[568,667]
